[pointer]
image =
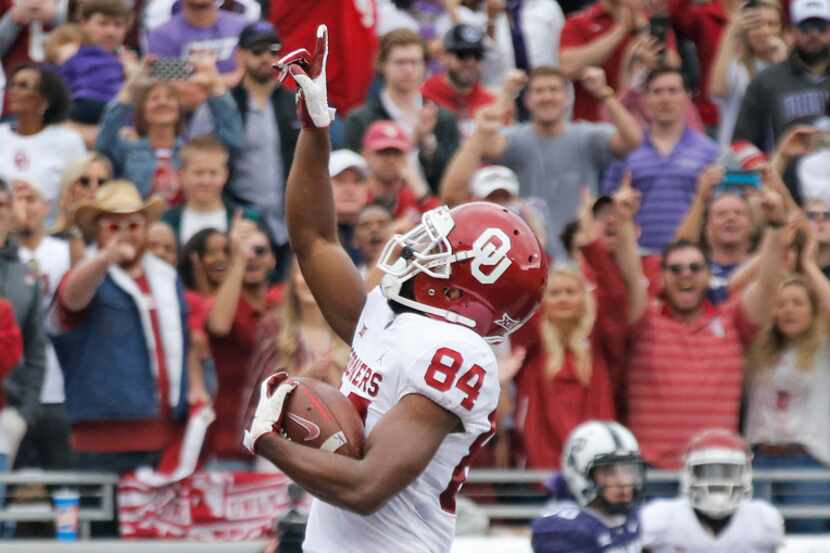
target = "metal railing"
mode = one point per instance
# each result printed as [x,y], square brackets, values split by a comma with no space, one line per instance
[503,494]
[97,497]
[520,494]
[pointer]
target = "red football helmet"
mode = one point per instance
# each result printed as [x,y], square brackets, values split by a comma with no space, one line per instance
[478,265]
[717,472]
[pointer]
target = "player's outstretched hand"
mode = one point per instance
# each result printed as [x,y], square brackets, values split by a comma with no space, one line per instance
[268,415]
[312,100]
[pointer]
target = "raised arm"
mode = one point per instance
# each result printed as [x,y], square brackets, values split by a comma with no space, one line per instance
[83,281]
[310,215]
[756,298]
[574,59]
[719,84]
[691,228]
[223,311]
[486,142]
[628,135]
[627,202]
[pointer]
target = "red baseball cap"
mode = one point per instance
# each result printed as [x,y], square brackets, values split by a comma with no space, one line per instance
[744,155]
[385,134]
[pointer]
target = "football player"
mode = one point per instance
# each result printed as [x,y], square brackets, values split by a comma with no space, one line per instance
[602,466]
[715,512]
[421,372]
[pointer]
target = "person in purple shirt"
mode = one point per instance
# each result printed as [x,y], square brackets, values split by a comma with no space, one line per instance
[664,169]
[200,26]
[94,74]
[596,510]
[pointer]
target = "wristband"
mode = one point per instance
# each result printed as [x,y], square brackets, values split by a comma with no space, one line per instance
[606,93]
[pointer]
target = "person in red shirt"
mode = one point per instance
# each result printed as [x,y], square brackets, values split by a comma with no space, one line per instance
[603,35]
[459,89]
[702,23]
[686,362]
[11,341]
[352,40]
[240,302]
[394,178]
[566,378]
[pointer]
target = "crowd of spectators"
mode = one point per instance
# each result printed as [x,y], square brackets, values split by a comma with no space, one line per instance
[673,157]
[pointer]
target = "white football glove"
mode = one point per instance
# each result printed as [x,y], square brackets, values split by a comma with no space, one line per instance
[312,96]
[268,415]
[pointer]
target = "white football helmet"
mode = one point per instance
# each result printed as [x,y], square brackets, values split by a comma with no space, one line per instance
[595,444]
[717,472]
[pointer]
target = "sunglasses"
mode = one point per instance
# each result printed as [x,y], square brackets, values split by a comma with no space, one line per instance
[679,268]
[813,24]
[818,215]
[260,250]
[272,49]
[131,225]
[477,55]
[86,182]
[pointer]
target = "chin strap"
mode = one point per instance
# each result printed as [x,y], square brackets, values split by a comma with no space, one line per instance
[391,287]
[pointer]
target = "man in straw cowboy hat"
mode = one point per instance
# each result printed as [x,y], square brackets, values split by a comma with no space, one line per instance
[119,330]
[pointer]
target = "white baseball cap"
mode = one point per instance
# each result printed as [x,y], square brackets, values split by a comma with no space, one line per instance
[801,10]
[340,160]
[495,177]
[814,175]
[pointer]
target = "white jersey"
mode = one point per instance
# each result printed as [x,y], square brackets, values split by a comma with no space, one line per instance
[671,526]
[393,356]
[50,261]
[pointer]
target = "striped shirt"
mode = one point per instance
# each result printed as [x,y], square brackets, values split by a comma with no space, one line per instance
[685,377]
[668,184]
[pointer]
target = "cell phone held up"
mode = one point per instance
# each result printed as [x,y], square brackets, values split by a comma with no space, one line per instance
[738,181]
[171,69]
[658,27]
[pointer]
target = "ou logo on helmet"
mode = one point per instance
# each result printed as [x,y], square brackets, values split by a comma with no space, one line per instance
[490,260]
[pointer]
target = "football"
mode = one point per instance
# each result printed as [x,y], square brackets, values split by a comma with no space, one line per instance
[316,414]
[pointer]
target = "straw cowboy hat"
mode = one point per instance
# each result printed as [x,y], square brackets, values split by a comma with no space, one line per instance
[119,197]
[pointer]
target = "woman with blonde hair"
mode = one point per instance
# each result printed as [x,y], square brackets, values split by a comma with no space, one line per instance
[754,39]
[79,182]
[788,388]
[567,375]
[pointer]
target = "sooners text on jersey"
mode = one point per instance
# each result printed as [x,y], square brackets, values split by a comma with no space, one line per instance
[393,356]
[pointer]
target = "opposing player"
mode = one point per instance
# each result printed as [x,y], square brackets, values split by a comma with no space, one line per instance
[715,512]
[602,466]
[421,372]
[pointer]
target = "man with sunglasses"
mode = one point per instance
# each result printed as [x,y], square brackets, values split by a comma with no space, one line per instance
[270,129]
[119,327]
[795,90]
[686,359]
[459,89]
